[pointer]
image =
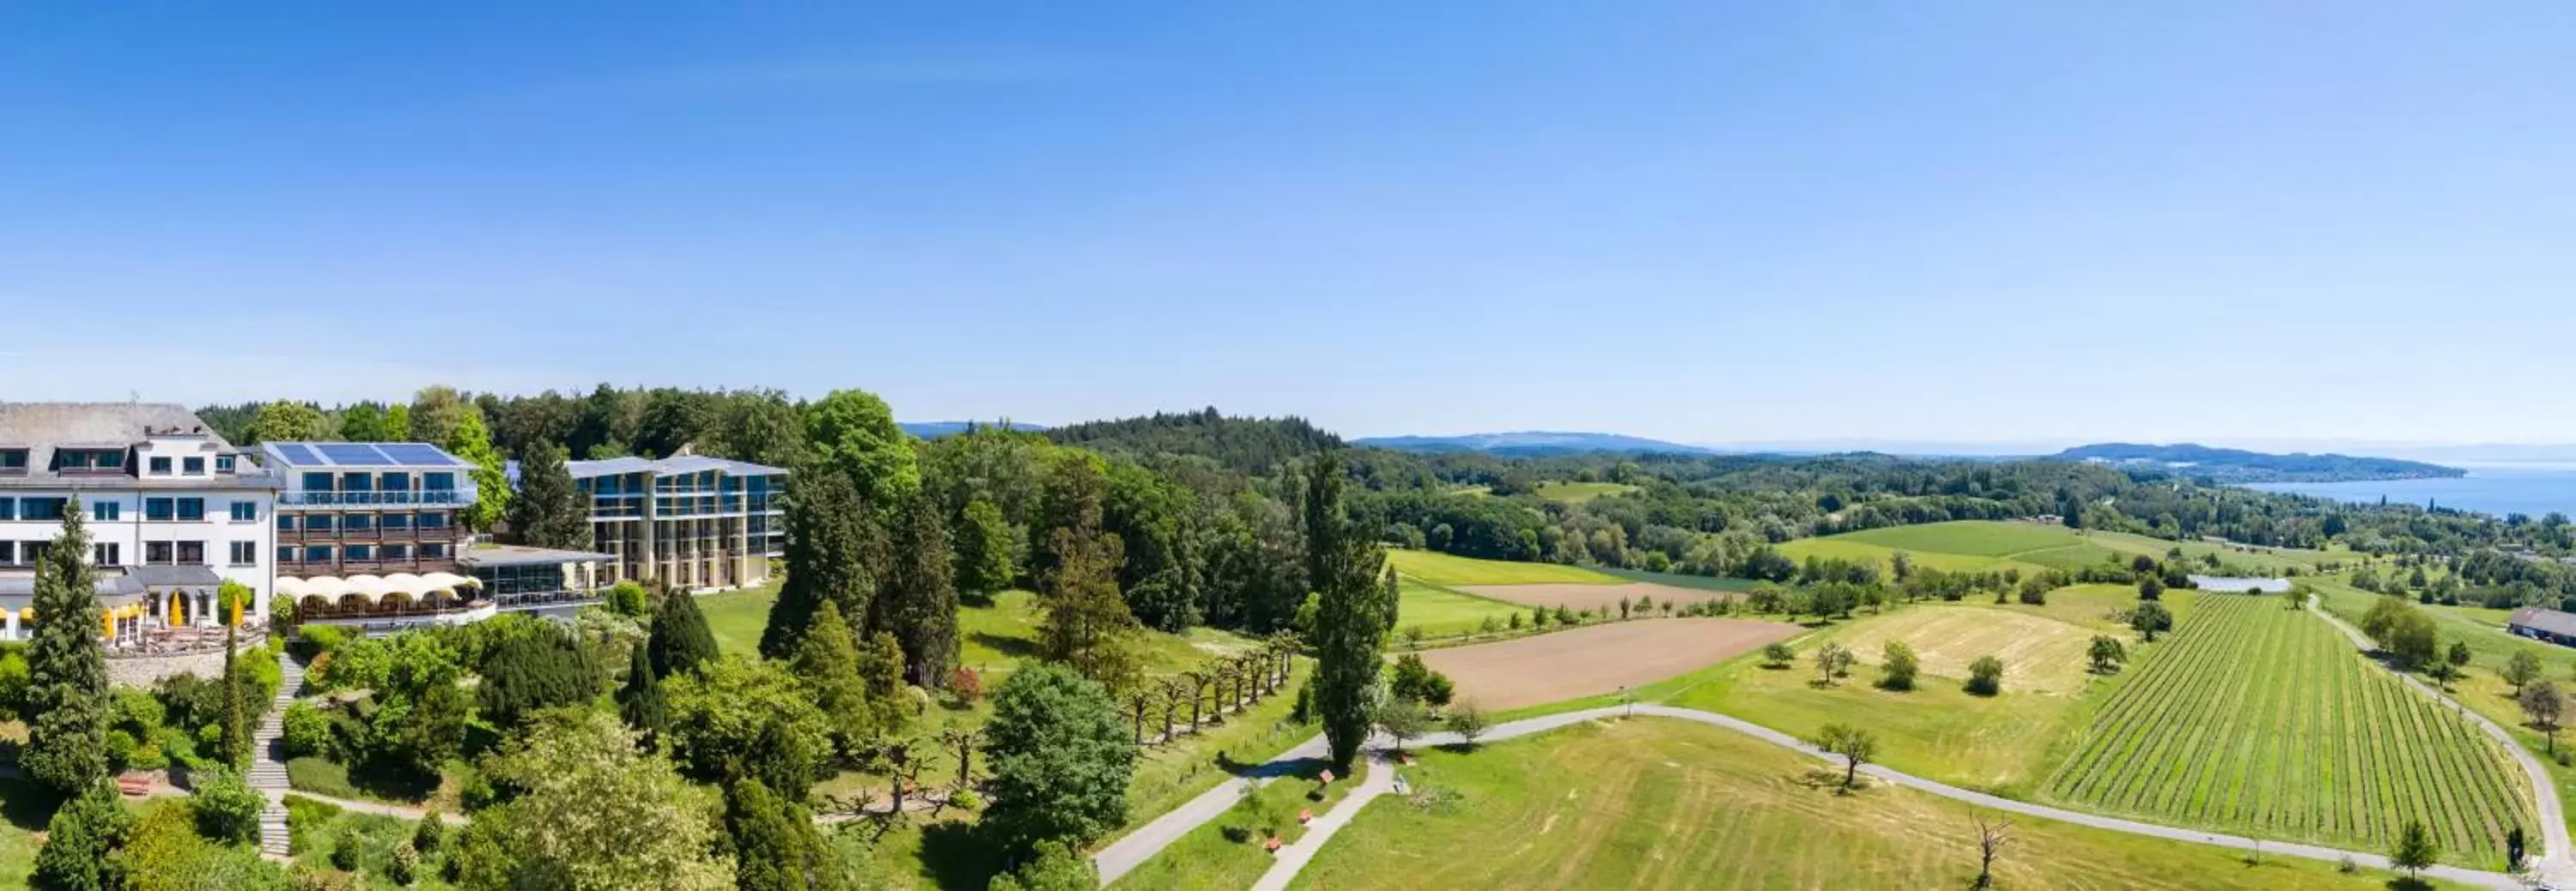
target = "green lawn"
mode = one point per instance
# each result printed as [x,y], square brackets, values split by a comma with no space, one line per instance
[1976,538]
[314,828]
[736,617]
[1659,804]
[1448,569]
[2257,561]
[1578,493]
[2264,720]
[1850,549]
[27,809]
[1442,612]
[1227,853]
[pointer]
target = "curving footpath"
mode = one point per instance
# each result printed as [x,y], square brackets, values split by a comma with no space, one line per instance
[2557,863]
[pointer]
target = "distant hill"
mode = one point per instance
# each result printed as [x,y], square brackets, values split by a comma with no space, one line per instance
[1531,443]
[937,429]
[1250,445]
[2240,466]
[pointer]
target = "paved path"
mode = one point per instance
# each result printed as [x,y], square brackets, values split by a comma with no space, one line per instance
[1125,854]
[2557,862]
[1141,845]
[1292,859]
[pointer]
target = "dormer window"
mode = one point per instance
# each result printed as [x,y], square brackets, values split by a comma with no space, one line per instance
[192,466]
[223,463]
[89,461]
[160,467]
[13,462]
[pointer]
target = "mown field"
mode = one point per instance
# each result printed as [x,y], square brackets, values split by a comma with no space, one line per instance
[1444,612]
[1578,493]
[1451,570]
[2264,720]
[1659,804]
[1993,546]
[2038,653]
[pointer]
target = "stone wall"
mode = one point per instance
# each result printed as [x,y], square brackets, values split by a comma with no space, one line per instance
[144,671]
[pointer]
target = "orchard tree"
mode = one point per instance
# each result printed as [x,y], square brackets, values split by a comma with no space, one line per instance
[2106,654]
[2541,707]
[1854,745]
[65,707]
[2521,670]
[2149,618]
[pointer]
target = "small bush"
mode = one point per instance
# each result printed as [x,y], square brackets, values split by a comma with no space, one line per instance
[404,867]
[226,807]
[966,685]
[344,852]
[966,799]
[426,837]
[307,731]
[1986,676]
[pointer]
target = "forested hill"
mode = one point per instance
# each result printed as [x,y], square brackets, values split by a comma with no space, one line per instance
[1249,445]
[2241,466]
[1530,444]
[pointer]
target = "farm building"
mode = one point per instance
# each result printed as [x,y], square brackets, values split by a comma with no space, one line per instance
[2543,624]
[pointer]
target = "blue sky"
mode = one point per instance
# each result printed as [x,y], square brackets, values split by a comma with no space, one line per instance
[1704,222]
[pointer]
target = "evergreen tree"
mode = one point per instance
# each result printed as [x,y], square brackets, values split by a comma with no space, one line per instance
[776,847]
[472,442]
[983,550]
[832,548]
[548,510]
[919,603]
[236,728]
[77,842]
[533,670]
[828,664]
[680,640]
[640,701]
[65,708]
[1350,616]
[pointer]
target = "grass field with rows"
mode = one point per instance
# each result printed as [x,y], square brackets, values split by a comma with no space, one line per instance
[2266,721]
[1450,569]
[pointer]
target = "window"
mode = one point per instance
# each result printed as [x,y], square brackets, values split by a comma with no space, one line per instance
[394,482]
[358,523]
[362,552]
[8,508]
[33,551]
[245,553]
[321,554]
[13,461]
[285,522]
[245,511]
[192,552]
[317,523]
[160,467]
[192,509]
[285,555]
[317,482]
[396,522]
[192,466]
[40,509]
[8,553]
[89,460]
[223,463]
[105,511]
[433,521]
[159,509]
[438,482]
[157,553]
[397,552]
[432,550]
[106,553]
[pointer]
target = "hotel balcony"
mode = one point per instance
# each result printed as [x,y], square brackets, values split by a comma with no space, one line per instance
[447,497]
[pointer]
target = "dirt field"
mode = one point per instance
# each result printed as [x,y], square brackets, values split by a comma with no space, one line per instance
[1589,596]
[1595,660]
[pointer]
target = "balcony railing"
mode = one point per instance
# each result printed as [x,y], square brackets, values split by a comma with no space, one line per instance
[357,499]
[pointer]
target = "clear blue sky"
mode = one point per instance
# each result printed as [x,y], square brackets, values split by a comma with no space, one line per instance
[1705,222]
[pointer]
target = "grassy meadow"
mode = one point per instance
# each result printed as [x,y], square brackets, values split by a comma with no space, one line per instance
[2264,720]
[1578,493]
[1445,612]
[1450,570]
[1658,804]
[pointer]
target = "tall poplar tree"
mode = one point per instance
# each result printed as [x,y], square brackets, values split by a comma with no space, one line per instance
[833,548]
[547,512]
[919,603]
[1345,565]
[66,702]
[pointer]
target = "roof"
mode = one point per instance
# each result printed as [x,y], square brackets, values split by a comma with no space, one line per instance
[310,455]
[42,427]
[116,587]
[521,555]
[676,464]
[2538,619]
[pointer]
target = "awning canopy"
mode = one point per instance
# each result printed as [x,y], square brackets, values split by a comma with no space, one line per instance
[373,588]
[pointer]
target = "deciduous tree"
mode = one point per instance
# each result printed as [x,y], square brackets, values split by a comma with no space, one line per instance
[2414,849]
[2521,670]
[1854,745]
[2106,654]
[1060,758]
[1897,666]
[583,789]
[472,443]
[1350,623]
[1986,676]
[2542,706]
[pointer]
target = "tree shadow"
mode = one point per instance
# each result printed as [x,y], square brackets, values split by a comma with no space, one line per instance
[1298,767]
[394,782]
[26,805]
[1013,647]
[955,856]
[2404,883]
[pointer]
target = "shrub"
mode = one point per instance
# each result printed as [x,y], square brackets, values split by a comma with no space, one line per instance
[14,678]
[1778,655]
[315,640]
[120,747]
[966,684]
[227,808]
[1986,676]
[404,867]
[344,852]
[307,731]
[1415,681]
[965,798]
[426,837]
[323,880]
[1897,666]
[627,599]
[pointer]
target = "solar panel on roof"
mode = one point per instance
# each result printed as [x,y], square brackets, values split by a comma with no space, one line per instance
[352,453]
[415,454]
[295,453]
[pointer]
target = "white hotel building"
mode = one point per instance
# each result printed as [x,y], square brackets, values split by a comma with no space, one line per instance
[173,510]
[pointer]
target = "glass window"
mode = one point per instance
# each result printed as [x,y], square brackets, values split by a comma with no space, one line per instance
[432,550]
[8,508]
[40,508]
[245,553]
[245,511]
[159,508]
[157,553]
[105,511]
[394,482]
[8,553]
[357,522]
[357,482]
[317,523]
[397,521]
[362,552]
[397,552]
[285,522]
[192,552]
[433,521]
[285,555]
[318,554]
[438,482]
[106,553]
[192,466]
[160,467]
[192,509]
[223,463]
[317,482]
[13,460]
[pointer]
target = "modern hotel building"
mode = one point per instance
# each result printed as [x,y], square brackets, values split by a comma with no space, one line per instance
[691,522]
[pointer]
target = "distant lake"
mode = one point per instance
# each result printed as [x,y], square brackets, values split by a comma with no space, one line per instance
[2524,488]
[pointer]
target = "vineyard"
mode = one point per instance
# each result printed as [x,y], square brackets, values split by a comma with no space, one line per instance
[2265,720]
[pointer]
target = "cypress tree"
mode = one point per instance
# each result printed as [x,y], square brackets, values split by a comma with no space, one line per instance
[640,701]
[828,663]
[1350,619]
[919,603]
[776,847]
[680,640]
[548,511]
[832,544]
[531,671]
[236,721]
[66,703]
